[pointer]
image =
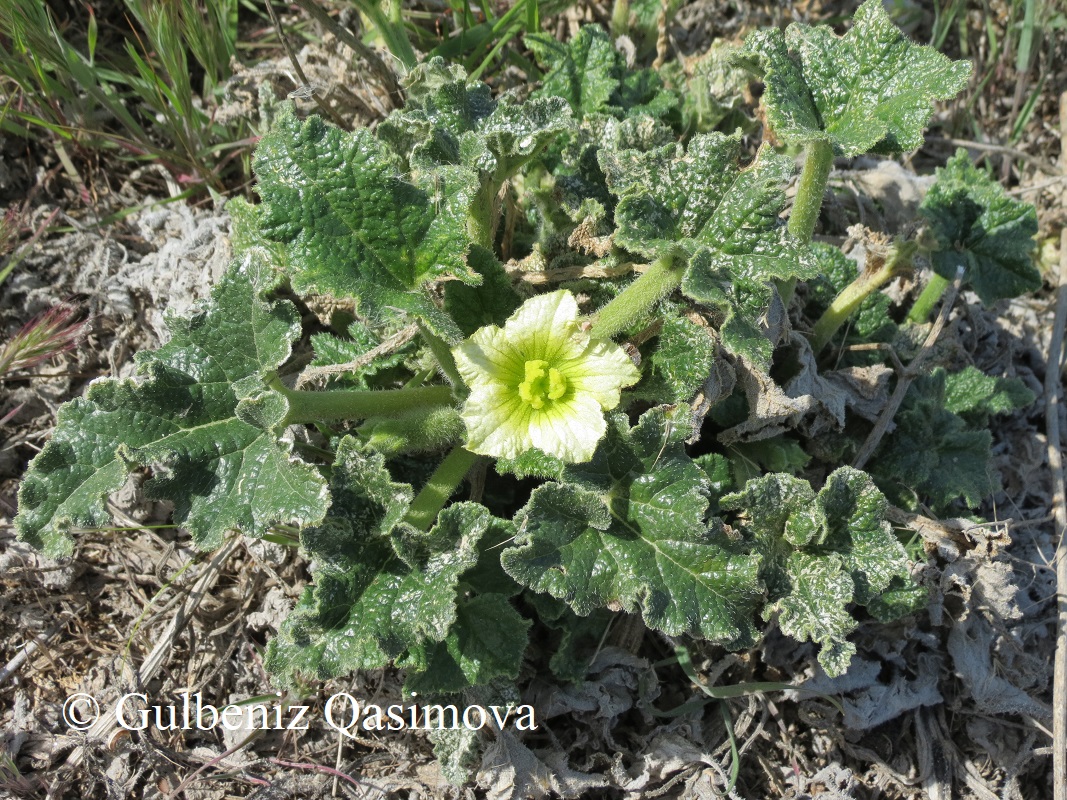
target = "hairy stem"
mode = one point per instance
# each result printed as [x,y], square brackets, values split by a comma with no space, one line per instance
[660,278]
[818,160]
[897,260]
[433,496]
[920,312]
[338,404]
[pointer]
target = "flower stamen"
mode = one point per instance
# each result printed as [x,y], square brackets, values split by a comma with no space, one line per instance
[542,382]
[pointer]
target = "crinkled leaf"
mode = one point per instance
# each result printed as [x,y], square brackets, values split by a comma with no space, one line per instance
[582,71]
[486,641]
[684,358]
[820,553]
[980,227]
[203,415]
[976,397]
[449,120]
[491,303]
[858,532]
[696,204]
[780,513]
[368,605]
[627,530]
[332,350]
[869,90]
[353,226]
[246,236]
[816,608]
[933,455]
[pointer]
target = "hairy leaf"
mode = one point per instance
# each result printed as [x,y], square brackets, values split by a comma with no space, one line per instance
[583,71]
[353,226]
[380,590]
[203,415]
[450,121]
[934,455]
[627,530]
[869,90]
[821,551]
[976,397]
[980,227]
[697,205]
[485,642]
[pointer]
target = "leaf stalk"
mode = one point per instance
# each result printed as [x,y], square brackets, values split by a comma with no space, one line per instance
[664,274]
[346,404]
[849,299]
[433,496]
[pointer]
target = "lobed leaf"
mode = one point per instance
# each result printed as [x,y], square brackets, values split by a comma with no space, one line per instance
[353,226]
[977,225]
[627,531]
[698,205]
[869,90]
[204,417]
[822,552]
[381,590]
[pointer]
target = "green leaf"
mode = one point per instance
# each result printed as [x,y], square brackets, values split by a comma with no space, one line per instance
[450,121]
[684,358]
[978,226]
[332,350]
[583,71]
[247,239]
[858,532]
[816,608]
[697,204]
[933,455]
[353,226]
[869,90]
[377,595]
[203,416]
[486,641]
[491,303]
[627,530]
[976,397]
[821,552]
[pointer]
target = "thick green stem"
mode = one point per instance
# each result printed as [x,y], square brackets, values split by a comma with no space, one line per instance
[661,277]
[338,404]
[818,160]
[897,260]
[481,219]
[920,312]
[433,496]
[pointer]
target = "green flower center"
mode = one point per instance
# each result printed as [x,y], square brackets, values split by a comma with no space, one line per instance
[543,383]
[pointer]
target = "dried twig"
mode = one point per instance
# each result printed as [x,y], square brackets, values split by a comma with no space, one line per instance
[394,342]
[910,374]
[1053,398]
[323,107]
[538,277]
[1045,166]
[379,67]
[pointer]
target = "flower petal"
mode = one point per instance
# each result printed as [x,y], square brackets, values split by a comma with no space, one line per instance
[545,327]
[602,371]
[569,429]
[498,422]
[489,356]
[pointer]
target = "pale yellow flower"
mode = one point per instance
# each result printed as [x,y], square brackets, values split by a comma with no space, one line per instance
[540,381]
